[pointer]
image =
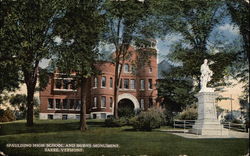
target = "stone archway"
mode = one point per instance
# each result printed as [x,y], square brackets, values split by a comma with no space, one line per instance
[131,98]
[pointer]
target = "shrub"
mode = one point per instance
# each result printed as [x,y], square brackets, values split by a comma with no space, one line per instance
[126,112]
[148,120]
[188,114]
[111,122]
[237,121]
[7,115]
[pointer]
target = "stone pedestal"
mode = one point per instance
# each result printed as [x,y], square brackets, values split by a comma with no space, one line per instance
[207,123]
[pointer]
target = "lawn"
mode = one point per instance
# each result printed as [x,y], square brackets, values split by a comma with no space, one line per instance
[155,143]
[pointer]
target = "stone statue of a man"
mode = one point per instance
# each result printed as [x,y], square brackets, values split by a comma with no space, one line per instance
[206,75]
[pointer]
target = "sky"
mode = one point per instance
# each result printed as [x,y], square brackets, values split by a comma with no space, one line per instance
[228,32]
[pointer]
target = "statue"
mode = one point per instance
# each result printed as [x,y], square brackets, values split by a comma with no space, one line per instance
[206,75]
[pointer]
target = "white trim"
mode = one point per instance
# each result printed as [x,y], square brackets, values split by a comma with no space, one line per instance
[98,114]
[44,116]
[65,90]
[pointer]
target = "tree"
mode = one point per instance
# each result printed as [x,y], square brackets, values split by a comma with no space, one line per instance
[177,92]
[9,80]
[79,30]
[127,22]
[19,102]
[240,15]
[195,22]
[27,35]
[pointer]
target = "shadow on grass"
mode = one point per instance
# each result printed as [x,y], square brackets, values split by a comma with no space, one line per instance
[43,127]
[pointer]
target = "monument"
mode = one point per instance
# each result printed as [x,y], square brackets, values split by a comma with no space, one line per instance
[207,122]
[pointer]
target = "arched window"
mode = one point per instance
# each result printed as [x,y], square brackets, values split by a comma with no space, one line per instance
[126,68]
[103,101]
[111,82]
[103,82]
[95,82]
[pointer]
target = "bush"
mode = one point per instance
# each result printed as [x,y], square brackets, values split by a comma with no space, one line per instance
[126,112]
[237,121]
[7,115]
[111,122]
[148,120]
[188,114]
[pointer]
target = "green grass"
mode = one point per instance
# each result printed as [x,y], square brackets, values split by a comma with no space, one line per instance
[131,142]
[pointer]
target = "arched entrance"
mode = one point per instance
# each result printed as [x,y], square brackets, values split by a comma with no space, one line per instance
[125,108]
[128,101]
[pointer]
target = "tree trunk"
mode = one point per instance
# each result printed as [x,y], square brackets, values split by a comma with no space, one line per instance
[83,123]
[30,105]
[116,90]
[30,78]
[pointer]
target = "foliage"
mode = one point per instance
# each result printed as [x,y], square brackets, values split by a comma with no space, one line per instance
[148,120]
[177,92]
[127,22]
[125,112]
[7,115]
[79,31]
[188,114]
[236,121]
[19,101]
[194,23]
[27,32]
[240,15]
[112,122]
[43,78]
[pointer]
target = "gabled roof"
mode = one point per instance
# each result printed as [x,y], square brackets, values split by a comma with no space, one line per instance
[163,66]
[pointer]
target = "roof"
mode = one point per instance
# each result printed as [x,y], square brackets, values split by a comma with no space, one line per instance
[163,66]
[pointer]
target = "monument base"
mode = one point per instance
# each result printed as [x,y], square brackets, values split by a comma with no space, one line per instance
[207,123]
[203,127]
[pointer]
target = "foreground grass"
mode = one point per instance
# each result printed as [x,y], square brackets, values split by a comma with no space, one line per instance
[153,143]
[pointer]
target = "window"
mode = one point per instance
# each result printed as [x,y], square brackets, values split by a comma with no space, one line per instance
[71,103]
[64,117]
[142,104]
[142,82]
[103,115]
[77,104]
[95,101]
[78,117]
[126,83]
[50,116]
[132,84]
[95,82]
[65,103]
[111,82]
[120,83]
[50,103]
[110,102]
[126,68]
[150,69]
[58,103]
[58,84]
[150,85]
[103,82]
[73,84]
[103,101]
[65,84]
